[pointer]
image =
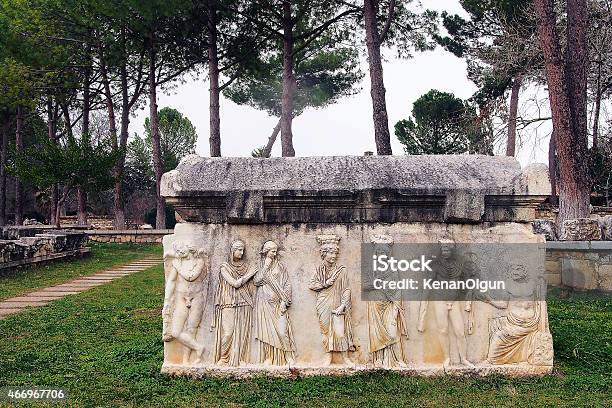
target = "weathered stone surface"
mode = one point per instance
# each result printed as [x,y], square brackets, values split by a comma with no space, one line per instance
[546,228]
[579,273]
[607,227]
[553,279]
[269,254]
[351,189]
[580,229]
[463,206]
[536,180]
[300,253]
[438,174]
[604,275]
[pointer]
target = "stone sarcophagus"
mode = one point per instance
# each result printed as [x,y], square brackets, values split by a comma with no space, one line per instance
[265,271]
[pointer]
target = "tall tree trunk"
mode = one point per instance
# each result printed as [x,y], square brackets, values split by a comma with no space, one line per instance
[377,85]
[63,203]
[552,169]
[3,153]
[288,82]
[577,150]
[567,94]
[60,204]
[119,217]
[213,76]
[160,219]
[267,152]
[118,204]
[18,183]
[81,206]
[67,121]
[80,192]
[51,131]
[597,111]
[514,98]
[110,107]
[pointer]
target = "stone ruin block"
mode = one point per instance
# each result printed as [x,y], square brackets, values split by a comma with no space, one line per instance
[10,252]
[268,253]
[33,245]
[580,229]
[546,228]
[606,227]
[14,232]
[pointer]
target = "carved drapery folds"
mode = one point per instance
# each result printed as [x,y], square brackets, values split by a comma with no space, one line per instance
[233,308]
[268,253]
[331,282]
[272,324]
[297,304]
[521,334]
[386,319]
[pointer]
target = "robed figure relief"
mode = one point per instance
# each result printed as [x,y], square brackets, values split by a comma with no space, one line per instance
[234,304]
[272,300]
[387,329]
[333,301]
[522,335]
[184,298]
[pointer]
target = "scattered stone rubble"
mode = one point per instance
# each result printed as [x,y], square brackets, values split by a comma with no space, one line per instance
[596,228]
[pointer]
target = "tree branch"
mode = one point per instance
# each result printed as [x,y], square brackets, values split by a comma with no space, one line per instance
[390,15]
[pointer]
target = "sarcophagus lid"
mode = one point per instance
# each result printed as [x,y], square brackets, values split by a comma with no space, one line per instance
[355,189]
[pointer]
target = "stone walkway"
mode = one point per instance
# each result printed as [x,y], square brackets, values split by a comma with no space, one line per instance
[43,296]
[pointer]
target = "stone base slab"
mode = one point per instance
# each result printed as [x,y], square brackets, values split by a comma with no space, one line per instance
[251,371]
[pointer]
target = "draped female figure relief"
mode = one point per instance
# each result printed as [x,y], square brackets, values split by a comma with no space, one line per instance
[272,300]
[234,303]
[333,306]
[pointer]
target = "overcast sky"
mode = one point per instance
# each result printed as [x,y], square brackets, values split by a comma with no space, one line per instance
[344,128]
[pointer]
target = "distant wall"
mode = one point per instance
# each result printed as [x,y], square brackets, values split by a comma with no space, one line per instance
[93,222]
[548,212]
[583,265]
[151,236]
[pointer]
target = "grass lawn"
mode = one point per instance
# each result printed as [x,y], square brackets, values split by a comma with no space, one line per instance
[103,256]
[104,347]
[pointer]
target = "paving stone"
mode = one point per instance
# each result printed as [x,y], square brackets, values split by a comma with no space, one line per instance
[112,275]
[10,304]
[42,293]
[93,279]
[65,292]
[6,312]
[89,282]
[67,288]
[29,298]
